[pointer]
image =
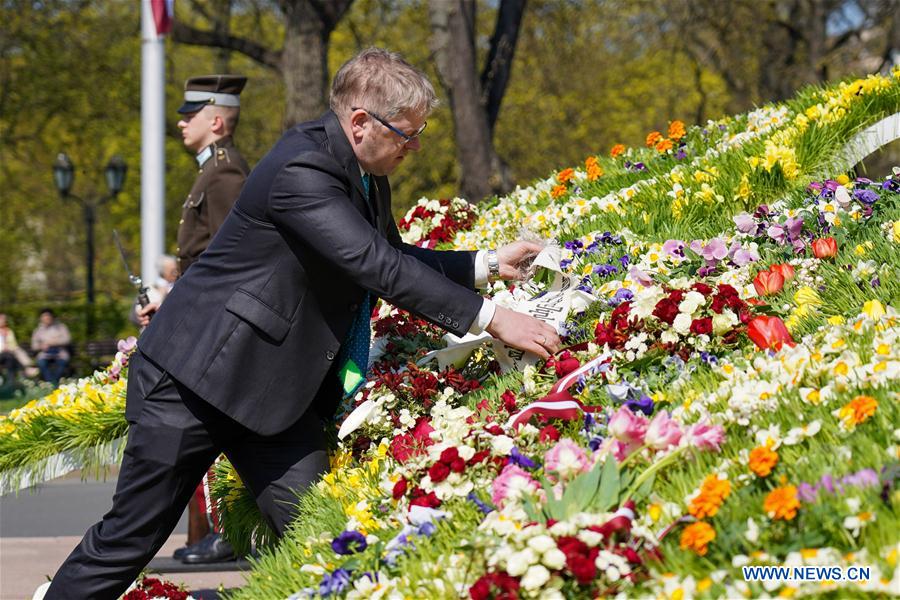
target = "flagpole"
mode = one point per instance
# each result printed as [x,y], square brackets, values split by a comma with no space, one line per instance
[153,158]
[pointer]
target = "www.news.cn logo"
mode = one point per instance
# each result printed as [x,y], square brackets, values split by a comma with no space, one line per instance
[798,574]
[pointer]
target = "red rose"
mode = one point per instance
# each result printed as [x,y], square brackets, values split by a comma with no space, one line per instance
[449,455]
[479,457]
[438,472]
[458,465]
[702,288]
[566,363]
[399,489]
[509,401]
[583,568]
[701,326]
[666,310]
[548,433]
[429,500]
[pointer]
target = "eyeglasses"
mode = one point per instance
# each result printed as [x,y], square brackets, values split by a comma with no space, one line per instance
[407,138]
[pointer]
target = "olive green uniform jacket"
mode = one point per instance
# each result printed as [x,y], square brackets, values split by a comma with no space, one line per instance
[222,174]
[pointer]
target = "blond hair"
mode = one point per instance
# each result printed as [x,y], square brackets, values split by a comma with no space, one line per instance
[382,82]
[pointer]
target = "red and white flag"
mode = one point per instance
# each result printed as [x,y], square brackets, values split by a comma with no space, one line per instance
[163,13]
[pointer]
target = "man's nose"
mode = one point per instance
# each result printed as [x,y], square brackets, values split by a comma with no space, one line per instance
[414,144]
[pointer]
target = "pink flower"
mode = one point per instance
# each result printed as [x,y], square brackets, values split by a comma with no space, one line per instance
[567,459]
[510,484]
[627,427]
[127,345]
[663,432]
[705,436]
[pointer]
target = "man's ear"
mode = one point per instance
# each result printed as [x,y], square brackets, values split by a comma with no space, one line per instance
[217,125]
[358,120]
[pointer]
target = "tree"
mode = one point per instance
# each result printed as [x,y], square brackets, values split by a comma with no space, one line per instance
[475,102]
[302,60]
[793,43]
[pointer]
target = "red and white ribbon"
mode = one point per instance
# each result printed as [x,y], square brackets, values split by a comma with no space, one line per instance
[559,403]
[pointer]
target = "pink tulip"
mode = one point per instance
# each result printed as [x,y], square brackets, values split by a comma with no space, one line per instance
[627,427]
[566,458]
[663,432]
[704,436]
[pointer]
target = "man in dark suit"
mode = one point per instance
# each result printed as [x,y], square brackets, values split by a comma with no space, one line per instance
[251,349]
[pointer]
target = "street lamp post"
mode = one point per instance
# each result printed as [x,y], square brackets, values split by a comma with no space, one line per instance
[63,177]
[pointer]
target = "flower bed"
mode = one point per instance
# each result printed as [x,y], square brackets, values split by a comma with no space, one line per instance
[729,397]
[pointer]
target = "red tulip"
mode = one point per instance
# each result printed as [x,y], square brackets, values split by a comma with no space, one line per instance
[785,270]
[768,283]
[769,333]
[824,247]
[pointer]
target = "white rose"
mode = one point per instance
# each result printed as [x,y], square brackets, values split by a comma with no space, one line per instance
[535,577]
[554,559]
[724,322]
[591,538]
[682,323]
[541,543]
[501,445]
[692,301]
[518,562]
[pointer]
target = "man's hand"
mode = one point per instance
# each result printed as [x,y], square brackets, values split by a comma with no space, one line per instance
[146,313]
[524,332]
[515,259]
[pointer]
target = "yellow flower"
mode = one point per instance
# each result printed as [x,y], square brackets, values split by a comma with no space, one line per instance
[874,309]
[843,179]
[806,296]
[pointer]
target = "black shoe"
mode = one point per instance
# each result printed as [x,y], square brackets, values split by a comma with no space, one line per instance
[180,552]
[211,549]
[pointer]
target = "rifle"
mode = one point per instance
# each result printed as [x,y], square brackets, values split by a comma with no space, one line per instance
[142,298]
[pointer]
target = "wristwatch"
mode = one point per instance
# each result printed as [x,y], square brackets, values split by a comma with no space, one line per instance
[493,265]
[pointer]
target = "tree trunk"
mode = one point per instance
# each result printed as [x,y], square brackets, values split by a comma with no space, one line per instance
[304,64]
[453,46]
[302,60]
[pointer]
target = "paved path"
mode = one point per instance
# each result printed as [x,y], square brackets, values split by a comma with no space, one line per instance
[38,530]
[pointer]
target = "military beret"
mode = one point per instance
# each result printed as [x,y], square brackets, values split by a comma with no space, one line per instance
[216,90]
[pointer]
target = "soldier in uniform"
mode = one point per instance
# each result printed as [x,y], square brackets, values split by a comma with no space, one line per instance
[209,117]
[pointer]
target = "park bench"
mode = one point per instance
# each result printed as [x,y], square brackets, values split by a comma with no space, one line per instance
[99,353]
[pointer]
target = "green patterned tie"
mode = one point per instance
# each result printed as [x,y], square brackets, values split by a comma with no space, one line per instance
[354,354]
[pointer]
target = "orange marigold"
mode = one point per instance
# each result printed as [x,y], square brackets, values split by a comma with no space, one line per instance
[858,410]
[558,190]
[565,176]
[676,130]
[696,537]
[664,145]
[712,494]
[782,503]
[617,150]
[763,460]
[652,138]
[594,170]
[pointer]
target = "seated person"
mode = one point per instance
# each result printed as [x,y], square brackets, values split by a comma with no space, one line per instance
[12,358]
[51,340]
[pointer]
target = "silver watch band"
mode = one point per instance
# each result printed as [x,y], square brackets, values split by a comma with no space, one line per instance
[493,265]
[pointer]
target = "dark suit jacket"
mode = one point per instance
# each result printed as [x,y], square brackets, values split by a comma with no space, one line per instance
[256,323]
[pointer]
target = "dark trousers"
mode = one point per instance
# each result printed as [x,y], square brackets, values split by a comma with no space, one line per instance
[174,436]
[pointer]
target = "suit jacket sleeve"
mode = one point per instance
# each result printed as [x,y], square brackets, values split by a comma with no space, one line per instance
[456,265]
[309,202]
[222,193]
